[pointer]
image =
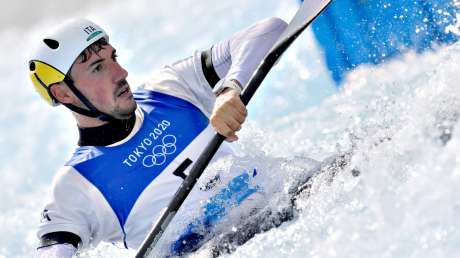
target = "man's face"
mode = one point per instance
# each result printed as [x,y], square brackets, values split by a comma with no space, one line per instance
[102,81]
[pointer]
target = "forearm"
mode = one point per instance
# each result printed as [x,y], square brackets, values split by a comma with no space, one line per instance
[233,59]
[237,57]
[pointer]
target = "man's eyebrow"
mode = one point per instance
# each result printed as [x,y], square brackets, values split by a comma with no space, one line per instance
[96,62]
[101,59]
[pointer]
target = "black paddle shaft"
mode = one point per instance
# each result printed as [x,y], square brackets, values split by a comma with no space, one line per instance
[208,153]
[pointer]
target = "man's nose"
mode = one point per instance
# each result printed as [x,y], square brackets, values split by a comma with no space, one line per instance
[119,72]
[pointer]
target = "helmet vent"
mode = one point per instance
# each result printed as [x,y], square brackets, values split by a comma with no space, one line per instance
[32,66]
[51,43]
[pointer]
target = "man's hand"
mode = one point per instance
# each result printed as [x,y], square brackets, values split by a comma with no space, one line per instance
[229,114]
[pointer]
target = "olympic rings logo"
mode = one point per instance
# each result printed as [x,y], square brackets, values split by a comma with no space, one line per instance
[159,152]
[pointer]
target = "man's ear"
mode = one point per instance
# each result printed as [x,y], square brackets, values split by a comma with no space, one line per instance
[62,93]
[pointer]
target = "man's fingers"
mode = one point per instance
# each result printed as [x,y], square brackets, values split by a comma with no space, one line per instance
[239,114]
[228,116]
[233,124]
[240,118]
[228,127]
[239,106]
[232,118]
[232,138]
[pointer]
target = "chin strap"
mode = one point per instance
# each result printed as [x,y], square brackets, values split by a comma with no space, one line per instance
[91,111]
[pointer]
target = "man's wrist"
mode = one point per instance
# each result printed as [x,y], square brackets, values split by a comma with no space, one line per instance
[229,84]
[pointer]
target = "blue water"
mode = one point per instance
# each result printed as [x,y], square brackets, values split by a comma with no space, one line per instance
[373,31]
[394,118]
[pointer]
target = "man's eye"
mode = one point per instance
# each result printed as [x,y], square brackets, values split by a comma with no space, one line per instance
[114,57]
[97,68]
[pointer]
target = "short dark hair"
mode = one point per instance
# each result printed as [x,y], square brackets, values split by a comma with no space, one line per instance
[86,54]
[92,49]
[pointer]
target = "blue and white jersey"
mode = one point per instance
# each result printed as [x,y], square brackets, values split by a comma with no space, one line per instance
[113,193]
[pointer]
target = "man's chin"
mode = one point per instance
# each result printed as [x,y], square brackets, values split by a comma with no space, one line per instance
[125,114]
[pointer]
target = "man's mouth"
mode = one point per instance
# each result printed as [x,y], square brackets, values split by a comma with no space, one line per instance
[124,87]
[124,91]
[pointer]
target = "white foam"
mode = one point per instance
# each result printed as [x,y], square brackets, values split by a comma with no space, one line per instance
[404,204]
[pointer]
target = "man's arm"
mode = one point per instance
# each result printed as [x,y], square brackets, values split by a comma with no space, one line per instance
[228,64]
[237,57]
[67,216]
[235,60]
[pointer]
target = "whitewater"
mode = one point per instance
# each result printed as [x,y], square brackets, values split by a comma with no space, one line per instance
[397,121]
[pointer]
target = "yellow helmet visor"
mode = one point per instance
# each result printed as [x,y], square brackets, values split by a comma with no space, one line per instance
[43,76]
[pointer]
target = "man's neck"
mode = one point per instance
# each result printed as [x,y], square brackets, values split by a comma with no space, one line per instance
[107,133]
[87,122]
[95,132]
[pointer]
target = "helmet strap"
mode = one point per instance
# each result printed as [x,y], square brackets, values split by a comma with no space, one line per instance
[92,111]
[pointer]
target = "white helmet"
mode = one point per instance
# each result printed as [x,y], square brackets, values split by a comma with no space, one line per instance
[57,52]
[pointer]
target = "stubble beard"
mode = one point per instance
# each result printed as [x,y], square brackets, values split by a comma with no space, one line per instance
[126,112]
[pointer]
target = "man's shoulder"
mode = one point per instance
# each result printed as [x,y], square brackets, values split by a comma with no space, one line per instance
[148,97]
[82,154]
[66,178]
[94,159]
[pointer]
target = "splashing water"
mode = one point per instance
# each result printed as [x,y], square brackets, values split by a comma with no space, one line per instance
[398,120]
